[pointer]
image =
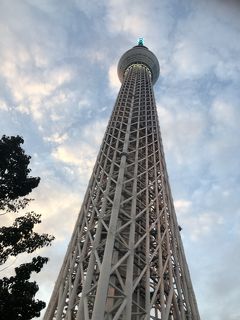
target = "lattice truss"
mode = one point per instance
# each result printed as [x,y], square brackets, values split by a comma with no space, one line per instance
[126,259]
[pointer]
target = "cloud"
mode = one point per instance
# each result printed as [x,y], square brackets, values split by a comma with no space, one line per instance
[182,205]
[29,92]
[83,158]
[58,84]
[52,200]
[206,41]
[79,155]
[189,62]
[57,138]
[3,106]
[183,129]
[225,115]
[113,78]
[197,225]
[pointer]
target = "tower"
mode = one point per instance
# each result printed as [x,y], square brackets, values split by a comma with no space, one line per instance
[125,259]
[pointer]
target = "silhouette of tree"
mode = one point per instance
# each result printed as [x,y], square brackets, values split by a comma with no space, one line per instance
[17,293]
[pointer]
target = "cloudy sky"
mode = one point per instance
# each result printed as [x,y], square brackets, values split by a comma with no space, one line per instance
[58,84]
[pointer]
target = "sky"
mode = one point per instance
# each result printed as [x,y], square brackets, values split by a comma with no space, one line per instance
[58,85]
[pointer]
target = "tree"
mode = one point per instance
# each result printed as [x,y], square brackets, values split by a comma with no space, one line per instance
[15,182]
[20,237]
[17,292]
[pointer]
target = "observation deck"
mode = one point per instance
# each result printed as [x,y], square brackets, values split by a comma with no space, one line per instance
[139,55]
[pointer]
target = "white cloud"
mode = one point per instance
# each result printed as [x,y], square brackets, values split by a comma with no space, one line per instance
[84,103]
[197,225]
[53,200]
[182,129]
[189,63]
[55,69]
[224,114]
[3,106]
[34,89]
[207,40]
[81,154]
[57,138]
[182,205]
[29,89]
[94,131]
[113,78]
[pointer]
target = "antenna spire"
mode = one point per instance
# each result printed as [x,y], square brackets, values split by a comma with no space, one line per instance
[140,41]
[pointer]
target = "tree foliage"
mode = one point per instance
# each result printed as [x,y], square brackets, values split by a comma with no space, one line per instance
[20,237]
[17,292]
[15,181]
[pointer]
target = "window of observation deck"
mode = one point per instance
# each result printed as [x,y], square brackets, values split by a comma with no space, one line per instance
[140,65]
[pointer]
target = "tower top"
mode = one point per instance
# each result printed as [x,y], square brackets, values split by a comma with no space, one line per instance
[139,55]
[140,41]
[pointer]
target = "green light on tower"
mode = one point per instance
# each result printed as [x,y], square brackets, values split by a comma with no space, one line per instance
[140,41]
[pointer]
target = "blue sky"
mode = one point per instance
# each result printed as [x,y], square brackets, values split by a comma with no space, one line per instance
[58,84]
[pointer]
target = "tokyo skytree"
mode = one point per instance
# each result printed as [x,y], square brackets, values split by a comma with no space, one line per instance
[125,259]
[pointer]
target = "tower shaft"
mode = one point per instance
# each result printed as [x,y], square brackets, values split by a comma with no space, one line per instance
[125,259]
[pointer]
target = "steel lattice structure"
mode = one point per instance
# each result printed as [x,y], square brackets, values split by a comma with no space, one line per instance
[126,259]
